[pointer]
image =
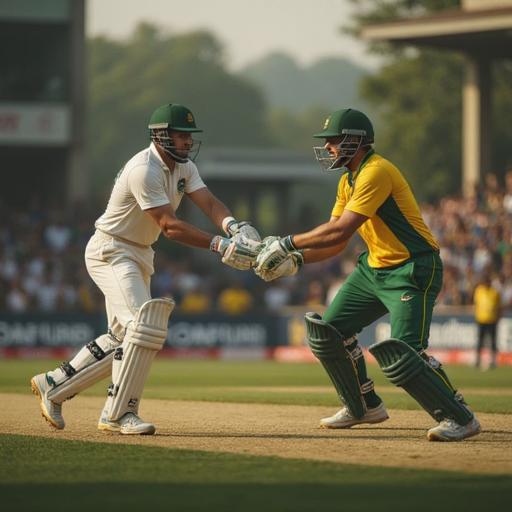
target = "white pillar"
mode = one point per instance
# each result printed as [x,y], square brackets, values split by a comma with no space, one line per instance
[476,106]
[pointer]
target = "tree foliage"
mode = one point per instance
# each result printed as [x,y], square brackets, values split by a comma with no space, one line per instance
[417,95]
[419,104]
[295,131]
[128,79]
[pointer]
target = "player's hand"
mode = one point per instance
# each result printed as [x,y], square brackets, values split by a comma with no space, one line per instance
[274,252]
[288,267]
[244,228]
[239,253]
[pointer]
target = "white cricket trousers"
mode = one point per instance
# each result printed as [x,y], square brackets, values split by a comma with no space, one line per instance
[122,272]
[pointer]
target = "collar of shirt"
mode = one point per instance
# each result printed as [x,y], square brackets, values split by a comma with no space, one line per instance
[154,151]
[362,163]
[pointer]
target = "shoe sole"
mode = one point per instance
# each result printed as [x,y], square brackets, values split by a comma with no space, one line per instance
[105,427]
[108,428]
[148,432]
[44,413]
[435,437]
[369,422]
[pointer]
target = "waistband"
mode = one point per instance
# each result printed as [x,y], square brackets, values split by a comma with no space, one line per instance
[433,252]
[124,240]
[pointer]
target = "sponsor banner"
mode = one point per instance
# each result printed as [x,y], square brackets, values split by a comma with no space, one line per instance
[454,332]
[48,330]
[35,124]
[446,332]
[217,331]
[185,331]
[230,337]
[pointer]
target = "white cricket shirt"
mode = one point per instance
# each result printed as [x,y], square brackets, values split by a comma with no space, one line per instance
[145,182]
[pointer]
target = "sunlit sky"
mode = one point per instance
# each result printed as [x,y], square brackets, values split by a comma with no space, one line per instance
[249,29]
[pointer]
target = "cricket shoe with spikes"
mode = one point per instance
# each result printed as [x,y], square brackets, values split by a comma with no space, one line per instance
[51,411]
[450,430]
[129,424]
[344,419]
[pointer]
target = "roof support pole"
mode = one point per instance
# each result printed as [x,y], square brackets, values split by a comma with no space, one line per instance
[476,122]
[78,186]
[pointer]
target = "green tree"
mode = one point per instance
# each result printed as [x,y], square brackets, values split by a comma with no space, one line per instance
[417,95]
[128,79]
[295,131]
[419,104]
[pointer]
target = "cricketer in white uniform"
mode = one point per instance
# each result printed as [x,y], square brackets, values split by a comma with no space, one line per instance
[119,258]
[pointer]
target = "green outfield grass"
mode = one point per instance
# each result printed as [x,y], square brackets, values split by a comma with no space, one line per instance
[54,474]
[57,475]
[489,391]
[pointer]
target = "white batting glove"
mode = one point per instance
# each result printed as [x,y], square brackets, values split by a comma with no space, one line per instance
[239,253]
[274,253]
[234,228]
[289,267]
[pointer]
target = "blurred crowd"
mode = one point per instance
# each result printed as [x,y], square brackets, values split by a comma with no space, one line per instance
[42,267]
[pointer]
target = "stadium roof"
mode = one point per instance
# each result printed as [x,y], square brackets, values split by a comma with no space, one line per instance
[486,32]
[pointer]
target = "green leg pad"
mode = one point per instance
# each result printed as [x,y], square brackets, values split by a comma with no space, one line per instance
[327,343]
[405,368]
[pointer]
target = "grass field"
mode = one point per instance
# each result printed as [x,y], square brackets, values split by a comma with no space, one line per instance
[78,468]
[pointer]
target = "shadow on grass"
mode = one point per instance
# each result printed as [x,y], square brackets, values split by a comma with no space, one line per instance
[465,494]
[60,475]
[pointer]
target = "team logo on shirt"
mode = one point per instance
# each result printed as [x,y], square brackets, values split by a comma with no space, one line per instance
[181,185]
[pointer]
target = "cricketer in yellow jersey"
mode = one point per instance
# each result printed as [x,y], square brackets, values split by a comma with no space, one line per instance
[401,273]
[119,258]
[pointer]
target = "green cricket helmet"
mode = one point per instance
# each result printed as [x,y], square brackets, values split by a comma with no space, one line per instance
[173,117]
[355,131]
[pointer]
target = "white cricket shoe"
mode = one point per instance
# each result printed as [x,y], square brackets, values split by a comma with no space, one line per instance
[344,419]
[129,424]
[51,411]
[450,430]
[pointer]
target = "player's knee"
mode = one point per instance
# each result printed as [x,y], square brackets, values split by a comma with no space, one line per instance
[324,339]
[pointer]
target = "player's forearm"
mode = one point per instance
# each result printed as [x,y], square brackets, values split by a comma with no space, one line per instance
[315,255]
[184,233]
[217,211]
[322,237]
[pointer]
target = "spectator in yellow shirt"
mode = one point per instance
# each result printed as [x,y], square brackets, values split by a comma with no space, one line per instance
[195,301]
[487,302]
[235,300]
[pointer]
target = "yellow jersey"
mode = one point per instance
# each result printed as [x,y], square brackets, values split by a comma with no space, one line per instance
[395,230]
[487,304]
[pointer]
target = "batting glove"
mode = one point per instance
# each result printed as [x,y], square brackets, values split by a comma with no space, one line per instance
[233,228]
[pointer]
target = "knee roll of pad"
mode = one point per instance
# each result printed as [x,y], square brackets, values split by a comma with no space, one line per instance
[405,368]
[328,345]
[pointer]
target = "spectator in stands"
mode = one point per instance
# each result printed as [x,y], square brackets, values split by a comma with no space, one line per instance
[195,300]
[316,294]
[475,235]
[16,300]
[507,198]
[234,300]
[277,295]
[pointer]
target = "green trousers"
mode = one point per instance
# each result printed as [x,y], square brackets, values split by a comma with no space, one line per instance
[408,292]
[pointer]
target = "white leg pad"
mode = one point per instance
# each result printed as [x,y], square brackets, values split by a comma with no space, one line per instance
[92,364]
[145,336]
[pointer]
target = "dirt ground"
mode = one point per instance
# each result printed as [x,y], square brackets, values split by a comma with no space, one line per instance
[287,431]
